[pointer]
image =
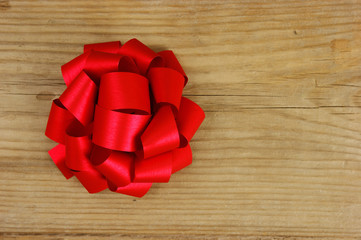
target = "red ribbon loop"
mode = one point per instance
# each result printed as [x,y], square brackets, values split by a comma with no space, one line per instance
[133,189]
[182,157]
[117,130]
[122,122]
[79,98]
[58,121]
[124,91]
[117,166]
[78,150]
[189,118]
[144,56]
[161,135]
[99,63]
[71,69]
[92,180]
[163,79]
[108,47]
[171,61]
[154,169]
[58,155]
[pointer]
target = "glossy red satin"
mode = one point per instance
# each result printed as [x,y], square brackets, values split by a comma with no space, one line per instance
[122,122]
[117,130]
[124,91]
[117,166]
[58,155]
[161,135]
[182,157]
[109,47]
[143,56]
[171,61]
[71,69]
[80,97]
[99,63]
[154,169]
[161,81]
[58,121]
[189,118]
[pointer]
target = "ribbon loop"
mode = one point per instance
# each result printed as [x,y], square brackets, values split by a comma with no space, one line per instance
[108,47]
[154,169]
[144,57]
[182,157]
[117,130]
[171,61]
[58,155]
[161,135]
[115,166]
[72,69]
[189,118]
[163,79]
[58,121]
[80,97]
[92,180]
[99,63]
[132,189]
[124,91]
[78,147]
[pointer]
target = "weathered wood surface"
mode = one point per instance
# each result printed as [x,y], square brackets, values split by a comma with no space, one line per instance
[278,156]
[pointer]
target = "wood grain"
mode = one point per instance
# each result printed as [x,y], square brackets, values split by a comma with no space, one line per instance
[278,156]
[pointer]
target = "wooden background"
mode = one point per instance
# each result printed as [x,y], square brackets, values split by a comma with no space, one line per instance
[278,156]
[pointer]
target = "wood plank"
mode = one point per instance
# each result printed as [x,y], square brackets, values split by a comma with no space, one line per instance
[52,236]
[297,172]
[278,156]
[313,62]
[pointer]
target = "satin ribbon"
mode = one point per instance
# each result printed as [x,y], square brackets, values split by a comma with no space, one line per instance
[122,122]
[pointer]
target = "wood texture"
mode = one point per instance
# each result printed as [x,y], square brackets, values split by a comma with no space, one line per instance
[278,156]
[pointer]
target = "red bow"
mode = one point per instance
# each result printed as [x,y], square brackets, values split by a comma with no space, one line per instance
[122,122]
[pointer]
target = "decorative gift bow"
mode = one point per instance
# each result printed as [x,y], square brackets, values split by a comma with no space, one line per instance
[122,122]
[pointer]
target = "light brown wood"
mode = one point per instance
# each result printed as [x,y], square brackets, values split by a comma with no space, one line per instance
[278,156]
